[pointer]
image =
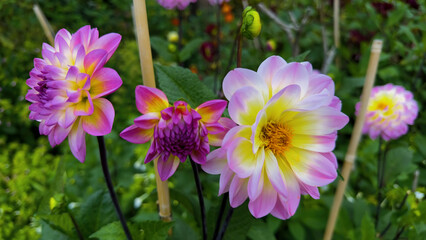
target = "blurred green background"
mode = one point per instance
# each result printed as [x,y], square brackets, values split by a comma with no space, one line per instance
[41,187]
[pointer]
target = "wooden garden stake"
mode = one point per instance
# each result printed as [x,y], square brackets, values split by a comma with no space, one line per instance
[145,55]
[48,31]
[350,157]
[336,17]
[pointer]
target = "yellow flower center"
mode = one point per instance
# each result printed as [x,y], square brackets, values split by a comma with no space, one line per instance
[276,137]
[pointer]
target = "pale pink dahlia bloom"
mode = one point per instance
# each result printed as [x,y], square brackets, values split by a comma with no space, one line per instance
[390,110]
[215,2]
[68,84]
[287,117]
[179,4]
[176,131]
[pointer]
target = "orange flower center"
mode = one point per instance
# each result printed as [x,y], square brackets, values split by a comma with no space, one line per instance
[276,137]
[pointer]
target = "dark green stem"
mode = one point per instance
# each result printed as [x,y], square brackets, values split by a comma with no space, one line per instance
[104,163]
[200,198]
[379,181]
[77,229]
[220,216]
[225,224]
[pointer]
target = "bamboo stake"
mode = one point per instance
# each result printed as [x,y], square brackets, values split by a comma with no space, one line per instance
[336,8]
[350,157]
[147,67]
[48,31]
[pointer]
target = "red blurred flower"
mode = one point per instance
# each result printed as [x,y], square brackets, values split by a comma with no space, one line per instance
[208,50]
[383,7]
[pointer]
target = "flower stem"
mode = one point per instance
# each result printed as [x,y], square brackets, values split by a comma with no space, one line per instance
[219,217]
[239,49]
[77,229]
[225,224]
[200,198]
[102,152]
[379,184]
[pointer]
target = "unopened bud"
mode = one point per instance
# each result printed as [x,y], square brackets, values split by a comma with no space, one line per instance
[251,23]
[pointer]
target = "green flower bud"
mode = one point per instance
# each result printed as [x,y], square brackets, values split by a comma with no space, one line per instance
[172,48]
[173,37]
[251,23]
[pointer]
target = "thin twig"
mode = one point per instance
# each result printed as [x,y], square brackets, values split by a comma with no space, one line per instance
[200,198]
[398,234]
[286,27]
[219,217]
[104,163]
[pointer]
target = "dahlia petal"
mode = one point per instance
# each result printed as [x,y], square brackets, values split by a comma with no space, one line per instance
[137,135]
[236,132]
[311,168]
[265,202]
[241,77]
[322,121]
[198,156]
[216,139]
[100,122]
[60,133]
[85,107]
[108,42]
[261,121]
[292,186]
[269,67]
[275,173]
[225,180]
[211,111]
[150,99]
[214,128]
[331,157]
[67,118]
[167,167]
[320,82]
[147,121]
[244,105]
[312,191]
[287,98]
[292,73]
[255,183]
[95,60]
[241,161]
[324,143]
[237,191]
[151,154]
[216,161]
[104,81]
[77,142]
[281,209]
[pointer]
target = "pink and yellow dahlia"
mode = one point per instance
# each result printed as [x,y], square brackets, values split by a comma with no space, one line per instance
[287,117]
[179,4]
[390,110]
[176,131]
[67,86]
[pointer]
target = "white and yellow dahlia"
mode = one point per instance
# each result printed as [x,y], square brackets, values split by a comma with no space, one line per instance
[287,120]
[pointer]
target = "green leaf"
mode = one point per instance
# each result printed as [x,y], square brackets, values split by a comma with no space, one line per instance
[398,163]
[297,230]
[182,230]
[260,231]
[240,224]
[367,228]
[49,232]
[179,82]
[95,212]
[156,230]
[114,231]
[61,222]
[299,58]
[189,49]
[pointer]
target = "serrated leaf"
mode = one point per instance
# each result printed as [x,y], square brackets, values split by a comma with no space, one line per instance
[189,49]
[179,83]
[97,211]
[156,230]
[114,231]
[367,228]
